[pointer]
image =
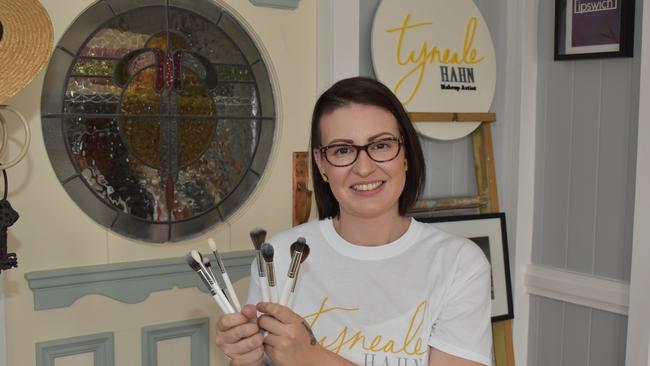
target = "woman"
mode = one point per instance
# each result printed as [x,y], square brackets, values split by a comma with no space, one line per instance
[378,288]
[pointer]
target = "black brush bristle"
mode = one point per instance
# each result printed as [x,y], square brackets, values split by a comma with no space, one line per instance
[305,253]
[267,252]
[300,245]
[258,236]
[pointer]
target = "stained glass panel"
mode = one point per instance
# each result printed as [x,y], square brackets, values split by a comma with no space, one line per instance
[161,119]
[93,67]
[91,95]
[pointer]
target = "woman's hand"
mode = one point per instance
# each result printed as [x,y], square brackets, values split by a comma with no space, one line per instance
[239,337]
[290,341]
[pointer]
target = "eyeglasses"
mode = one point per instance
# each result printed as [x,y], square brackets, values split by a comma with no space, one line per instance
[342,155]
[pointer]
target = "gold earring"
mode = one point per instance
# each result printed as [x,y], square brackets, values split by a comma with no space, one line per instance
[324,176]
[406,166]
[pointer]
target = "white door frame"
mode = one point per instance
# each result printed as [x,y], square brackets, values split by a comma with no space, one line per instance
[337,41]
[638,324]
[521,105]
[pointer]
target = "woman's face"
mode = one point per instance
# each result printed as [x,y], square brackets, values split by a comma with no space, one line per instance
[365,188]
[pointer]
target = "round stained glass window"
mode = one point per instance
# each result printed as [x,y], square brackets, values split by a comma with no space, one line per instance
[158,119]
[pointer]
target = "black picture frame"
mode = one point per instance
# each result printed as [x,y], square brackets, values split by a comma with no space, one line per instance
[488,231]
[590,25]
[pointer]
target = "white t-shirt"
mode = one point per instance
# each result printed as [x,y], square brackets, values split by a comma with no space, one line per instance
[385,305]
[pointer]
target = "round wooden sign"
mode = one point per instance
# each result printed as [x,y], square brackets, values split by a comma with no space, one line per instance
[437,56]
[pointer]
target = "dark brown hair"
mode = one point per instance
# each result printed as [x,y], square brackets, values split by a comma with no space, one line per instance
[366,91]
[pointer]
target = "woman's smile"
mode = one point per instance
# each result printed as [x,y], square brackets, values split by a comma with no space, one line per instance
[367,187]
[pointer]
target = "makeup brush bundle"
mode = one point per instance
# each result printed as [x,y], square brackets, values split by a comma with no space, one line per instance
[266,273]
[223,291]
[228,303]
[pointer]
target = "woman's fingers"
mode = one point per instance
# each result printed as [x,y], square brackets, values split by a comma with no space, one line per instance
[251,357]
[270,324]
[240,332]
[290,340]
[250,312]
[244,346]
[228,321]
[239,337]
[279,312]
[272,340]
[277,319]
[296,344]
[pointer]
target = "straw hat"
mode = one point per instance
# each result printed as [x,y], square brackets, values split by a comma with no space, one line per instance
[25,44]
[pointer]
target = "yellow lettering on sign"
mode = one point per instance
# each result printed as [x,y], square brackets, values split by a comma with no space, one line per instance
[427,55]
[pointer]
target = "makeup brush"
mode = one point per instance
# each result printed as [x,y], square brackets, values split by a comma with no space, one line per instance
[194,260]
[299,252]
[258,236]
[224,275]
[305,254]
[267,254]
[199,258]
[215,279]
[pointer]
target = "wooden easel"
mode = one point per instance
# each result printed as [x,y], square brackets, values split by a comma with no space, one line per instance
[300,194]
[486,199]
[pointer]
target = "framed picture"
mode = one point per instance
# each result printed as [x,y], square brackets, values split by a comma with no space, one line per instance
[488,231]
[593,28]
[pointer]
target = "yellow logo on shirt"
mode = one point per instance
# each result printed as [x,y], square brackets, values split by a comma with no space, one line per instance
[410,344]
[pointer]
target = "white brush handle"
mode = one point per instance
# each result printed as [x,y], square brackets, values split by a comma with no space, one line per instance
[274,293]
[231,291]
[264,285]
[223,303]
[291,297]
[286,291]
[218,296]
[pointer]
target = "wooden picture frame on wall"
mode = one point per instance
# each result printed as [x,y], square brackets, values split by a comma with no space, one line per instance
[593,29]
[488,231]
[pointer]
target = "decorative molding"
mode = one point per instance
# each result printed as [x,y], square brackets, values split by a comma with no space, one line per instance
[279,4]
[196,329]
[101,345]
[582,289]
[130,282]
